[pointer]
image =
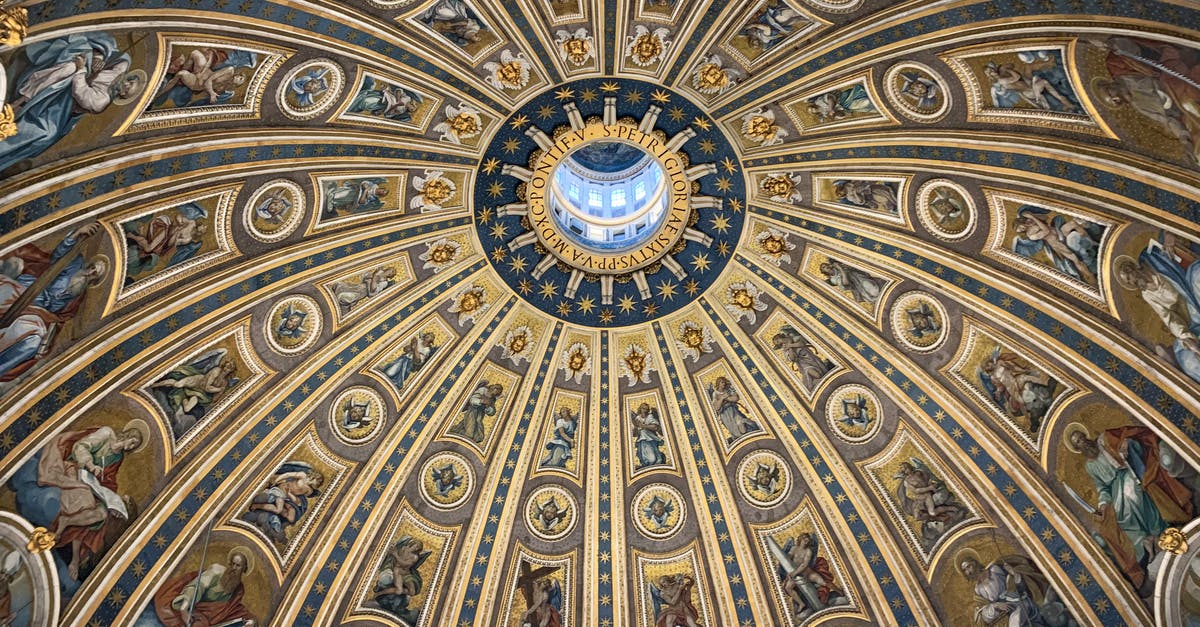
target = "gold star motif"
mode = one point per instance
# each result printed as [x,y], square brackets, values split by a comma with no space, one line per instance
[729,165]
[519,121]
[626,304]
[692,286]
[634,97]
[723,249]
[719,223]
[511,145]
[666,290]
[676,114]
[517,264]
[650,309]
[609,87]
[701,123]
[498,254]
[700,262]
[499,230]
[586,304]
[660,96]
[546,111]
[606,316]
[490,165]
[588,95]
[564,94]
[724,184]
[548,289]
[564,308]
[735,205]
[525,287]
[495,189]
[485,215]
[707,146]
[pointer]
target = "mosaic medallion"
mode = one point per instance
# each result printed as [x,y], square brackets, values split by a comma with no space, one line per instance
[309,90]
[447,480]
[946,209]
[658,511]
[551,512]
[357,415]
[919,321]
[634,254]
[293,325]
[917,92]
[853,412]
[274,211]
[763,478]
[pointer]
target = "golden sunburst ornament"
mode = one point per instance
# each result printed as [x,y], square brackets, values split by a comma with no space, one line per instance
[693,340]
[635,365]
[711,77]
[511,72]
[742,299]
[517,344]
[440,254]
[576,362]
[469,303]
[646,47]
[759,126]
[462,122]
[575,47]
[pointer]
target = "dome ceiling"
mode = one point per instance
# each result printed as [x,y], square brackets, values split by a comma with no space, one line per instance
[289,334]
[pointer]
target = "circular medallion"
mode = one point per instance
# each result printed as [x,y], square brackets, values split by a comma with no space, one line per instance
[609,201]
[917,91]
[310,89]
[551,512]
[293,325]
[946,209]
[764,478]
[919,321]
[658,511]
[356,415]
[274,211]
[854,413]
[447,480]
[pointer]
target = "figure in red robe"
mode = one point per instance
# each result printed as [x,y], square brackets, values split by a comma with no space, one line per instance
[208,599]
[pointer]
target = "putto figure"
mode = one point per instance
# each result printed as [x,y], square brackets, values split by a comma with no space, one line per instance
[807,577]
[672,596]
[927,500]
[399,579]
[284,499]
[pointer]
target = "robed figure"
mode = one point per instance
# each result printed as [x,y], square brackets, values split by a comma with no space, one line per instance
[210,598]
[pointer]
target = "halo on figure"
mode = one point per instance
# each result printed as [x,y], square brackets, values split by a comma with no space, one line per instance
[963,555]
[1121,266]
[1072,428]
[143,430]
[142,81]
[105,263]
[1096,86]
[246,555]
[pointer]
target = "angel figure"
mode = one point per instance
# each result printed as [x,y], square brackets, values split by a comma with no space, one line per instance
[921,91]
[445,479]
[766,478]
[274,206]
[355,414]
[1034,88]
[927,499]
[1018,386]
[771,24]
[855,414]
[355,196]
[1071,244]
[284,499]
[658,511]
[801,356]
[306,89]
[728,407]
[379,99]
[399,578]
[348,294]
[175,235]
[543,596]
[482,402]
[807,577]
[672,596]
[946,206]
[549,514]
[412,358]
[840,104]
[205,76]
[291,323]
[188,391]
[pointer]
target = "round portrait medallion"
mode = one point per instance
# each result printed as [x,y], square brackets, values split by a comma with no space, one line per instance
[551,512]
[310,89]
[274,211]
[946,209]
[917,92]
[919,321]
[763,478]
[447,480]
[853,412]
[658,511]
[293,325]
[357,415]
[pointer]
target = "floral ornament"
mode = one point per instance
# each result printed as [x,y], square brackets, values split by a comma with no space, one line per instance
[759,127]
[469,303]
[8,125]
[782,187]
[743,300]
[693,340]
[645,47]
[574,47]
[576,362]
[711,77]
[512,72]
[636,365]
[774,246]
[517,345]
[433,190]
[462,122]
[440,254]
